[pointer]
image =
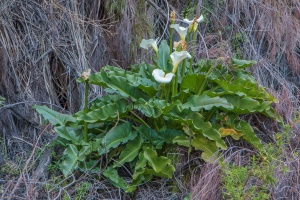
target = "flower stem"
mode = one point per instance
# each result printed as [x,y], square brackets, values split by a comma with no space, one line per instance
[140,119]
[86,96]
[211,113]
[183,70]
[192,52]
[171,40]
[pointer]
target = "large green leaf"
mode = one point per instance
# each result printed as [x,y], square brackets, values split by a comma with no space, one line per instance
[139,175]
[248,133]
[150,134]
[196,122]
[244,87]
[55,118]
[151,108]
[118,135]
[164,56]
[69,133]
[116,180]
[208,147]
[134,79]
[159,164]
[106,111]
[117,83]
[242,63]
[196,103]
[72,156]
[193,82]
[245,105]
[168,135]
[130,152]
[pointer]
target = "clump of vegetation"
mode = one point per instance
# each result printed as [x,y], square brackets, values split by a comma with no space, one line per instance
[255,179]
[149,109]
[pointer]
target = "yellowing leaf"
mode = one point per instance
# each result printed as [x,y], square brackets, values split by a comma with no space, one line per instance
[230,131]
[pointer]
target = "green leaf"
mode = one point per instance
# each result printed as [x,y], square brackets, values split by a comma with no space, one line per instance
[105,111]
[196,122]
[168,135]
[130,152]
[182,141]
[151,108]
[159,163]
[242,63]
[196,103]
[193,82]
[69,133]
[245,105]
[245,88]
[117,83]
[55,118]
[208,147]
[150,134]
[164,56]
[116,180]
[119,134]
[248,133]
[72,156]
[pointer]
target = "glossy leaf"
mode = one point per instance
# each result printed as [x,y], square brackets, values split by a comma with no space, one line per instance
[242,63]
[245,88]
[196,103]
[106,111]
[117,83]
[55,118]
[72,157]
[116,180]
[208,147]
[196,122]
[69,133]
[130,152]
[248,133]
[245,105]
[152,108]
[118,135]
[159,163]
[150,134]
[193,82]
[164,56]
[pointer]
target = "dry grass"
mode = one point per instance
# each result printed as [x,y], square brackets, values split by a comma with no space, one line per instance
[45,45]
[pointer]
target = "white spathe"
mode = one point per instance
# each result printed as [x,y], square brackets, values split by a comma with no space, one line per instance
[161,77]
[177,57]
[180,30]
[193,24]
[145,44]
[200,19]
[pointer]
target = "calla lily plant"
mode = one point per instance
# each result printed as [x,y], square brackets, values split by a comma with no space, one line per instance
[152,109]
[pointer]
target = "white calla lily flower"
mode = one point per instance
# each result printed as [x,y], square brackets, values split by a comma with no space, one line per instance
[193,24]
[160,76]
[145,44]
[180,30]
[177,57]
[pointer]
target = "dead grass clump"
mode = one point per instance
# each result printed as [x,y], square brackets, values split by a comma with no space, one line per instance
[206,185]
